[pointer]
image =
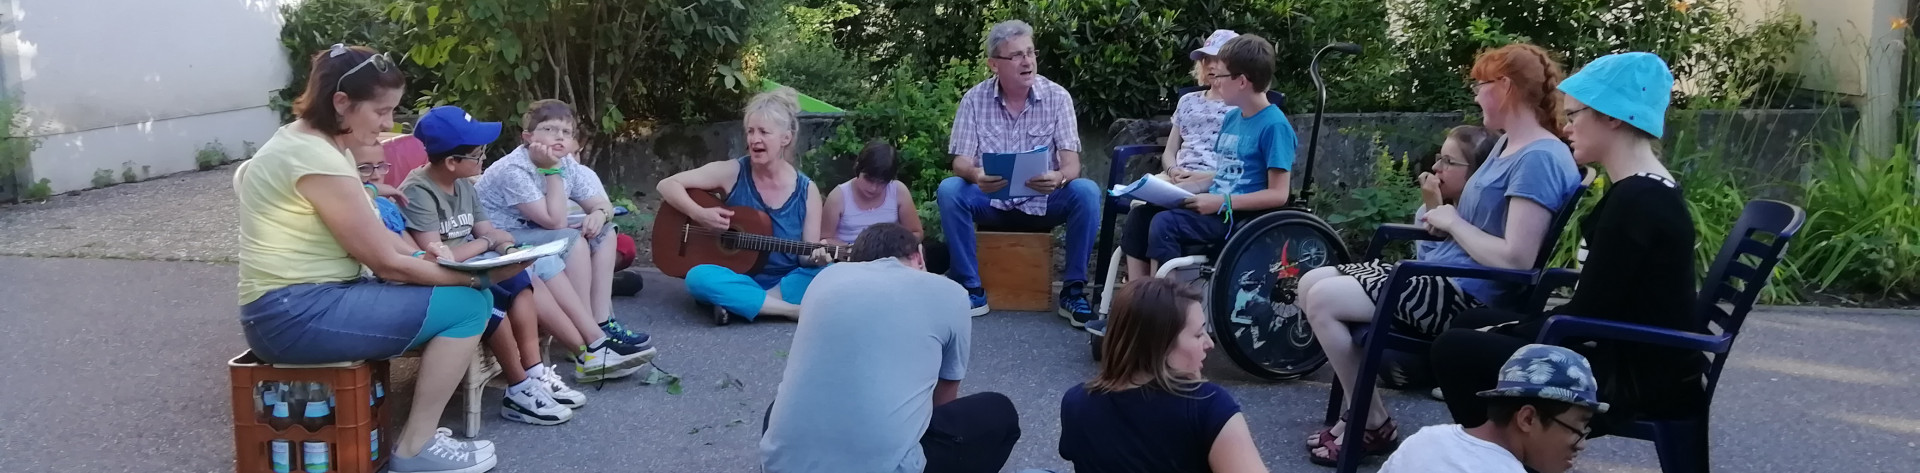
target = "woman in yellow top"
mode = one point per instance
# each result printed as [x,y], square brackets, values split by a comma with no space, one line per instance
[307,230]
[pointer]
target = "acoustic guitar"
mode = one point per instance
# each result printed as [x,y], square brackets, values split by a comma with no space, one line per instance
[680,243]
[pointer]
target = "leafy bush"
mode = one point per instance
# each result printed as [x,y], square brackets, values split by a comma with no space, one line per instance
[1862,235]
[916,117]
[1392,197]
[798,52]
[314,25]
[210,155]
[620,63]
[1702,40]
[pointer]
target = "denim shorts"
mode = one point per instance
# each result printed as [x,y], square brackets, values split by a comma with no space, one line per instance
[358,320]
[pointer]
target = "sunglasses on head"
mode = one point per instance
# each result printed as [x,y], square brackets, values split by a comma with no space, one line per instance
[380,61]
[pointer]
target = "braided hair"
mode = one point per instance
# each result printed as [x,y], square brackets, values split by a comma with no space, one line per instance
[1533,78]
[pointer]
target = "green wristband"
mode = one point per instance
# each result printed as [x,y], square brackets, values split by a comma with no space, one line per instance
[552,172]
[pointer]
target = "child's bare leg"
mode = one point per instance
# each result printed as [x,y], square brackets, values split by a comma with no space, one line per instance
[554,319]
[601,293]
[524,316]
[575,311]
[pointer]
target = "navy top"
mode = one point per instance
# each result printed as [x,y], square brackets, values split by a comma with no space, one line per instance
[1143,429]
[789,219]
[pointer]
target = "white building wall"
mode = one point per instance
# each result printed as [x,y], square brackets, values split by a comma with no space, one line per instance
[140,84]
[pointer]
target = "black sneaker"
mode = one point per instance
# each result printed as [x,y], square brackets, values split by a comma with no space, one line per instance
[619,332]
[1074,305]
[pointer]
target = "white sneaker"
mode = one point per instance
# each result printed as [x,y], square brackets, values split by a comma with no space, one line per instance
[443,457]
[444,436]
[612,360]
[559,391]
[531,404]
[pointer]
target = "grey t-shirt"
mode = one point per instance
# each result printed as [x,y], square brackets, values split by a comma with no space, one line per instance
[1542,171]
[858,389]
[431,209]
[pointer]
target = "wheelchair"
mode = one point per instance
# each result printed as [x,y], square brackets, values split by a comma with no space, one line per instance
[1251,279]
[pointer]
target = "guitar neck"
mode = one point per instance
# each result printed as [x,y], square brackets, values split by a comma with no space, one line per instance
[746,241]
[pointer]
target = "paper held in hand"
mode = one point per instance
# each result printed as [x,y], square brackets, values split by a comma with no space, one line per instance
[1017,169]
[529,254]
[1153,190]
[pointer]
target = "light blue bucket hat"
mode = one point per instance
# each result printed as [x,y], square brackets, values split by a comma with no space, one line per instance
[1632,87]
[1549,372]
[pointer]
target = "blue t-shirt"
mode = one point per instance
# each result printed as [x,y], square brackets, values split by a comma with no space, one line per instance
[1143,429]
[1249,146]
[1542,172]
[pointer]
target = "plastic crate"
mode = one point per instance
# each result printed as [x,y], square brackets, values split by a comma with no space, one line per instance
[350,436]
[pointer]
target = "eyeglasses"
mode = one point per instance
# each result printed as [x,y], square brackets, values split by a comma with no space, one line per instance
[1453,162]
[381,62]
[555,131]
[1571,113]
[1583,431]
[371,169]
[1020,56]
[477,155]
[1475,87]
[1221,76]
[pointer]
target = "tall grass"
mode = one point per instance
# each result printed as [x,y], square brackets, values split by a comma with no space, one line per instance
[1862,236]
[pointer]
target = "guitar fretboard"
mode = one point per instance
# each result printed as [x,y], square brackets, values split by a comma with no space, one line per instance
[762,243]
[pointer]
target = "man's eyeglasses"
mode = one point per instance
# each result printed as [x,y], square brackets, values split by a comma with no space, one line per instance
[381,62]
[370,169]
[1020,56]
[1584,432]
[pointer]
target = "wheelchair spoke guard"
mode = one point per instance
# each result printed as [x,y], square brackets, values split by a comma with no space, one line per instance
[1251,301]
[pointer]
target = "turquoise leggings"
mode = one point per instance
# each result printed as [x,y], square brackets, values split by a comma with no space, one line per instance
[738,293]
[455,312]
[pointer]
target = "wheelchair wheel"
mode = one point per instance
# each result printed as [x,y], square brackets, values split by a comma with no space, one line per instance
[1251,301]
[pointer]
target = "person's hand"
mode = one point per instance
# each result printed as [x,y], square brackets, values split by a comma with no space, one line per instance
[1441,220]
[438,251]
[505,272]
[819,256]
[714,217]
[1430,190]
[1046,182]
[543,153]
[1205,204]
[988,183]
[590,226]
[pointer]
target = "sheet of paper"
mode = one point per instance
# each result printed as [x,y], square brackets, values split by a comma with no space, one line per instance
[1153,190]
[1017,169]
[480,264]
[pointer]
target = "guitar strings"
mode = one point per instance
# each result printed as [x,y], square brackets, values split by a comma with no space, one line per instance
[775,243]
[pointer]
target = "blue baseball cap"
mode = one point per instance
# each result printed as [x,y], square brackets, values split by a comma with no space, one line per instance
[1631,87]
[447,127]
[1548,372]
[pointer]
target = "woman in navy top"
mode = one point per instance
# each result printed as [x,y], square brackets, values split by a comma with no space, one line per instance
[1149,410]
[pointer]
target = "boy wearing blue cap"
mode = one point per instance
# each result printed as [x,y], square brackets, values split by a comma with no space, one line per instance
[1537,421]
[1638,267]
[444,217]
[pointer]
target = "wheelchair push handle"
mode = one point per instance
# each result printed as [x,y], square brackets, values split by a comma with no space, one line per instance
[1313,139]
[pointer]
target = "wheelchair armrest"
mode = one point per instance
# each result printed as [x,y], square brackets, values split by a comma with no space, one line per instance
[1391,232]
[1559,328]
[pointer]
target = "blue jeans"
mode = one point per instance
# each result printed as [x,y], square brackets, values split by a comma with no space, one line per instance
[962,205]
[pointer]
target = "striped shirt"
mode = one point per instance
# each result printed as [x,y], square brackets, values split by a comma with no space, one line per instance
[983,124]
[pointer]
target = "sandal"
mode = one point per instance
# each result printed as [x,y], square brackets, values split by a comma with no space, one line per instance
[1324,436]
[1378,441]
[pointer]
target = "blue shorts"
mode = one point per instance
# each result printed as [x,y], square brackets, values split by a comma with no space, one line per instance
[358,320]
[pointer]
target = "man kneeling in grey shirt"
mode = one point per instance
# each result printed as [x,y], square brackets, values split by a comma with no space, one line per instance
[874,372]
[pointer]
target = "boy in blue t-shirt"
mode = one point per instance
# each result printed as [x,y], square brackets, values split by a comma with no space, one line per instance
[1257,144]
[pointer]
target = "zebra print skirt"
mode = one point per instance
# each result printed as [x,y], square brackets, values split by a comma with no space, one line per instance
[1429,304]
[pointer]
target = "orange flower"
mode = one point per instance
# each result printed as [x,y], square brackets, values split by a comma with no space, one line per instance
[1682,5]
[1899,23]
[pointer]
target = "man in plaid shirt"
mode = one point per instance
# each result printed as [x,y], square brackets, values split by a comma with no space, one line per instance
[1015,111]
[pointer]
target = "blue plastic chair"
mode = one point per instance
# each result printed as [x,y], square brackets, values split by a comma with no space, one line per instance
[1758,242]
[1379,336]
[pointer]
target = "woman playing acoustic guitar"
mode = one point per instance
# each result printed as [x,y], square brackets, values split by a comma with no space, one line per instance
[764,180]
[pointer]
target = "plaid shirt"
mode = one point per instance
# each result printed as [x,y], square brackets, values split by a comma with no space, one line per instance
[984,125]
